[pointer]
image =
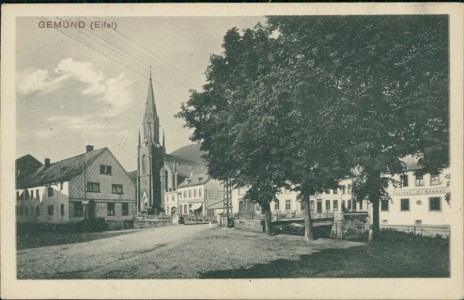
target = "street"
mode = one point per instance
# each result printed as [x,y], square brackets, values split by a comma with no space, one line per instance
[166,252]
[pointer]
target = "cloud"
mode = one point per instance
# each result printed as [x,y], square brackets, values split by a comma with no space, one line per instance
[114,92]
[38,81]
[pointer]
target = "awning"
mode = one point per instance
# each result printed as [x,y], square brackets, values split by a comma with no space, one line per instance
[196,206]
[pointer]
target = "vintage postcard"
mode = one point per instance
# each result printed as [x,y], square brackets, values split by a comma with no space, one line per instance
[232,151]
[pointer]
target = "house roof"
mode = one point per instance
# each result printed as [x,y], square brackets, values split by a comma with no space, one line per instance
[133,176]
[195,179]
[60,171]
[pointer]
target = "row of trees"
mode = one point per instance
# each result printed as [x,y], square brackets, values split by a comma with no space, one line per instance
[303,101]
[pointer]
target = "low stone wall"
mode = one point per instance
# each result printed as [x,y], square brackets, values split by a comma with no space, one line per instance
[249,225]
[119,224]
[351,226]
[147,223]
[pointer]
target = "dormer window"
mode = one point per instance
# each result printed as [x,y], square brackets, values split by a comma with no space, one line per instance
[200,179]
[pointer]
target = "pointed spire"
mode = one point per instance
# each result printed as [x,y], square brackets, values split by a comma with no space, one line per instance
[150,118]
[164,140]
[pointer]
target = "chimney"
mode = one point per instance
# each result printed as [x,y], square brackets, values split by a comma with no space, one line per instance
[47,162]
[88,148]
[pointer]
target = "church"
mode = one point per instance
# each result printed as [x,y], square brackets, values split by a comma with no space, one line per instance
[158,173]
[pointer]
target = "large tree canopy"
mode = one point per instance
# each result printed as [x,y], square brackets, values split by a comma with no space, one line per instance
[303,100]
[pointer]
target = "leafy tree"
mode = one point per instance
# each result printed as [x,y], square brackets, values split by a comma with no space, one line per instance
[386,78]
[222,118]
[305,99]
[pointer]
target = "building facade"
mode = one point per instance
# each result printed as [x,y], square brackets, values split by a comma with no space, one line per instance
[201,195]
[414,200]
[87,186]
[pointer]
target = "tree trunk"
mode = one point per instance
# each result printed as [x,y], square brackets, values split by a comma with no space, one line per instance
[267,219]
[375,217]
[308,222]
[374,198]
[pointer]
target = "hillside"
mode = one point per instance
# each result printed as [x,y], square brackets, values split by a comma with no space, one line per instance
[190,152]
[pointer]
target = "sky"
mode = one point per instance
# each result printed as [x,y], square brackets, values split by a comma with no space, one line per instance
[78,86]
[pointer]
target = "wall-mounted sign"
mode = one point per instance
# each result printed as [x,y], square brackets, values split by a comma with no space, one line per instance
[426,191]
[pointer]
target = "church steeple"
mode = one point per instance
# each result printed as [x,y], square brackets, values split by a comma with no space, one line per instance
[150,154]
[150,118]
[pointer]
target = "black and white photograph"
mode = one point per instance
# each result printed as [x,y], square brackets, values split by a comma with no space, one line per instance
[161,151]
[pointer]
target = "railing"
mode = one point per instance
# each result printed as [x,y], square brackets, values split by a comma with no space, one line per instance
[422,230]
[248,216]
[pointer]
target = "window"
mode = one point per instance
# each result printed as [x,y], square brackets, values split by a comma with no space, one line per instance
[349,189]
[32,194]
[434,179]
[62,209]
[335,205]
[199,192]
[110,208]
[77,209]
[384,205]
[343,189]
[190,193]
[404,180]
[335,191]
[361,204]
[61,186]
[117,189]
[288,204]
[144,163]
[343,205]
[404,204]
[311,205]
[37,194]
[50,192]
[327,205]
[276,205]
[173,198]
[93,187]
[185,209]
[105,169]
[418,222]
[125,209]
[195,193]
[50,210]
[419,180]
[434,204]
[349,204]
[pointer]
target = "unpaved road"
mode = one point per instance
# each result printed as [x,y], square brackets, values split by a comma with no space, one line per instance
[166,252]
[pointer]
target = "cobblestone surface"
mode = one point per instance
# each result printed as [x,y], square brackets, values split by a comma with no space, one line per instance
[165,252]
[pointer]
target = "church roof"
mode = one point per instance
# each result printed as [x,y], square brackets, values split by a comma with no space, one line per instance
[184,167]
[60,171]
